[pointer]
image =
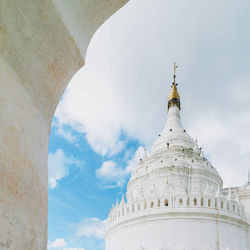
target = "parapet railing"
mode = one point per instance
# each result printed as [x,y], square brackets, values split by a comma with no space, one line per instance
[123,210]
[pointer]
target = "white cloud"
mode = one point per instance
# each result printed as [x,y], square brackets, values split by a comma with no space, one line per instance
[65,133]
[91,227]
[93,113]
[109,172]
[60,242]
[226,141]
[58,166]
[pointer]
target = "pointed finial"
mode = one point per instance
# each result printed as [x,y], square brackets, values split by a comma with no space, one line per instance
[174,98]
[122,200]
[145,153]
[175,67]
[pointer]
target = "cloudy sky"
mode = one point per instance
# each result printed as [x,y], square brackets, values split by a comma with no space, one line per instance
[116,105]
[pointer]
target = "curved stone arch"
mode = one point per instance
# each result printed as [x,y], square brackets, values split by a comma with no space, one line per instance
[195,202]
[181,200]
[222,206]
[152,204]
[234,207]
[166,202]
[209,202]
[35,72]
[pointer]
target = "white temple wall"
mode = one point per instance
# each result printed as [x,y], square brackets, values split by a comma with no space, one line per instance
[165,179]
[244,196]
[178,234]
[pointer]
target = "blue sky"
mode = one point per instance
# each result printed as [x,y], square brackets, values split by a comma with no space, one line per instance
[80,199]
[116,104]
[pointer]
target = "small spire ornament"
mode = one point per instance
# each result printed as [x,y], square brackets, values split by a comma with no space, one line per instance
[174,98]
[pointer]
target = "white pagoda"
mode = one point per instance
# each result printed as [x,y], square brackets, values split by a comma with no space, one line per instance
[176,201]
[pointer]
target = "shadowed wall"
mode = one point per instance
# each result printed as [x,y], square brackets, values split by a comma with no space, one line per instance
[42,45]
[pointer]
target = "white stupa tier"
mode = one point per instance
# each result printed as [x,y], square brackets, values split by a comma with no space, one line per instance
[176,201]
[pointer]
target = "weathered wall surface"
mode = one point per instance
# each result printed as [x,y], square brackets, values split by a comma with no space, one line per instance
[179,231]
[42,44]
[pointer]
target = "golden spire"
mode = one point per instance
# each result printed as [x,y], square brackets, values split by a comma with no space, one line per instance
[173,93]
[174,98]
